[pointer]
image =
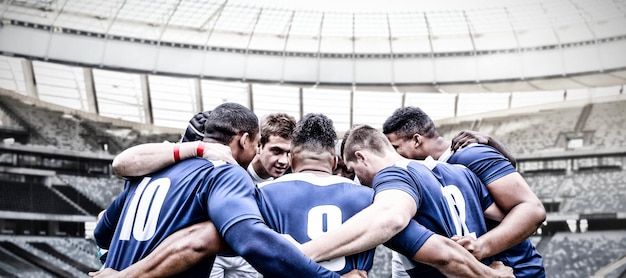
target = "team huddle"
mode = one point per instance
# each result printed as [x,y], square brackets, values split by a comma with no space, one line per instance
[237,199]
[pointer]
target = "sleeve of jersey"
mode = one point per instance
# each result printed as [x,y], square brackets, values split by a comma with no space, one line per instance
[486,162]
[105,228]
[396,178]
[231,197]
[271,254]
[410,240]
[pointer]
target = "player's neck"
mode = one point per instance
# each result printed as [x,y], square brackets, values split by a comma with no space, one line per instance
[439,147]
[257,166]
[315,167]
[317,172]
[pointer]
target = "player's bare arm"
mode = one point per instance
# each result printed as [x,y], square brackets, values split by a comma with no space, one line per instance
[454,261]
[524,214]
[390,212]
[147,158]
[175,254]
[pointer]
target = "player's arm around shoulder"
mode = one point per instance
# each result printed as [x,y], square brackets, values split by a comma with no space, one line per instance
[146,158]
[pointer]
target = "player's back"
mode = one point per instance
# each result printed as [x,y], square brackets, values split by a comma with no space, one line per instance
[437,209]
[467,196]
[155,206]
[306,206]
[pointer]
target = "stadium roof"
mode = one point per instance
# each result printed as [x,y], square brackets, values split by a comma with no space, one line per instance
[160,61]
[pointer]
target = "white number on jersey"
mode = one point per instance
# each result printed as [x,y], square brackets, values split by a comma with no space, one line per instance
[322,219]
[456,203]
[143,211]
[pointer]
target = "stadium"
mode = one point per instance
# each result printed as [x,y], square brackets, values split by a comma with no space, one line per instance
[83,80]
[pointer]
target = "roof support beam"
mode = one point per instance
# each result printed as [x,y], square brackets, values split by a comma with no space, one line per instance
[29,78]
[108,29]
[147,99]
[162,31]
[90,90]
[319,50]
[247,54]
[217,15]
[284,54]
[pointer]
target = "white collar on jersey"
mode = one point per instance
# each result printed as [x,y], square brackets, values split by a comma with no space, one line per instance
[255,177]
[429,162]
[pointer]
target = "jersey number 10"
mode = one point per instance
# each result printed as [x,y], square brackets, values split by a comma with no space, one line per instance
[143,211]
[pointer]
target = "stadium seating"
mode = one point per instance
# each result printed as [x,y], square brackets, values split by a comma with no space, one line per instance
[11,265]
[594,192]
[54,129]
[530,133]
[101,191]
[582,254]
[29,197]
[544,184]
[607,120]
[79,199]
[58,257]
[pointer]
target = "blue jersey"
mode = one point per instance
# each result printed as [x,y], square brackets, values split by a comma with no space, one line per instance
[192,191]
[489,165]
[305,206]
[450,201]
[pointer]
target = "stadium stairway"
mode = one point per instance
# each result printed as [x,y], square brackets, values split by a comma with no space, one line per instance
[41,261]
[45,247]
[10,264]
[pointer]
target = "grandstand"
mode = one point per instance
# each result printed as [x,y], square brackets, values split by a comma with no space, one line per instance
[546,78]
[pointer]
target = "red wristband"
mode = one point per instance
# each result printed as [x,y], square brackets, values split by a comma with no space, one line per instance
[200,150]
[176,152]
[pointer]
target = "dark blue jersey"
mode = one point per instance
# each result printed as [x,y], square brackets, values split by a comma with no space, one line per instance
[306,206]
[450,201]
[489,165]
[191,191]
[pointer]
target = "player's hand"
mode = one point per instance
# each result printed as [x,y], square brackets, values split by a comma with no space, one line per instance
[355,273]
[104,273]
[472,245]
[217,151]
[466,137]
[502,270]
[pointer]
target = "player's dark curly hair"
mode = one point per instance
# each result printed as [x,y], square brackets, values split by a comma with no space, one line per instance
[315,132]
[230,119]
[406,121]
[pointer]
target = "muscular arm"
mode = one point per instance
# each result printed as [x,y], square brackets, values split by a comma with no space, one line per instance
[524,214]
[424,246]
[176,253]
[390,212]
[147,158]
[271,254]
[382,220]
[467,137]
[453,260]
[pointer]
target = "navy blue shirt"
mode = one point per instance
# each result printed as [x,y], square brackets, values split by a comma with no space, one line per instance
[306,206]
[450,201]
[490,165]
[191,191]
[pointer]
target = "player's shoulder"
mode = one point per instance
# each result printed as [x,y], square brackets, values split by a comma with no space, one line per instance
[308,178]
[475,147]
[473,152]
[222,167]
